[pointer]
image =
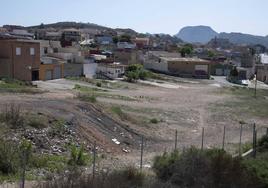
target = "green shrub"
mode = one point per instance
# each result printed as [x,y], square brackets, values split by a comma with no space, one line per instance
[13,156]
[12,116]
[125,178]
[208,168]
[135,72]
[87,97]
[9,158]
[132,76]
[154,121]
[98,84]
[51,163]
[143,74]
[118,111]
[36,121]
[263,144]
[78,156]
[259,169]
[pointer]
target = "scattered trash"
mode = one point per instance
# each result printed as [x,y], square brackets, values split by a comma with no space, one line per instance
[116,141]
[125,150]
[147,166]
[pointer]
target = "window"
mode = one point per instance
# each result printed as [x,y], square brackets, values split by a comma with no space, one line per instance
[55,50]
[32,51]
[18,51]
[45,50]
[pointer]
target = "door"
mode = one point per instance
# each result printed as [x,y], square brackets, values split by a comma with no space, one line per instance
[57,72]
[35,75]
[48,75]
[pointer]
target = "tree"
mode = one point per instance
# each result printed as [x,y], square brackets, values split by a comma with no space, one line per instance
[125,38]
[135,72]
[115,39]
[211,54]
[187,49]
[234,72]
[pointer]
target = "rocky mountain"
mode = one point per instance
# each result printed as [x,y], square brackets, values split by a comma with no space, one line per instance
[204,34]
[197,34]
[240,38]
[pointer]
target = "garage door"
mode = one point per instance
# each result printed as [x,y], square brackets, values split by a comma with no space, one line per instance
[48,75]
[57,73]
[201,68]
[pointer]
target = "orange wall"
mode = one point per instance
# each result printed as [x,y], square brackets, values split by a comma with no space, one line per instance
[44,68]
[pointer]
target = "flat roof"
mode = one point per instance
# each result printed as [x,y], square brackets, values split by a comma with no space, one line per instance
[182,59]
[19,40]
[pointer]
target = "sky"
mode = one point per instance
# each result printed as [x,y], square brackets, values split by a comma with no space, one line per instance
[152,16]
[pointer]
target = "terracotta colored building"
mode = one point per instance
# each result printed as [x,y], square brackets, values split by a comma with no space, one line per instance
[20,59]
[171,63]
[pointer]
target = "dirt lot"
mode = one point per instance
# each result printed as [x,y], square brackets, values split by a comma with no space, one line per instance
[178,104]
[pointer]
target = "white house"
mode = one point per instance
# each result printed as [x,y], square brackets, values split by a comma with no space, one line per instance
[113,71]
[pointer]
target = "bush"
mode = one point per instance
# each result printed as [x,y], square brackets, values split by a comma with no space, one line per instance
[129,177]
[259,169]
[51,163]
[12,116]
[135,72]
[9,158]
[154,121]
[87,97]
[13,156]
[263,144]
[132,76]
[118,111]
[36,121]
[98,84]
[208,168]
[78,156]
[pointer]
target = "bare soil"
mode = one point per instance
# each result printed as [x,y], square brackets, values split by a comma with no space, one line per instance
[181,104]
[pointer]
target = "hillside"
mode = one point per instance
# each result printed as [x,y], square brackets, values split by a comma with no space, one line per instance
[240,38]
[197,34]
[65,25]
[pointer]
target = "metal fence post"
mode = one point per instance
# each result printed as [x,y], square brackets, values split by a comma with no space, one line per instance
[223,139]
[176,139]
[94,161]
[240,140]
[23,169]
[141,153]
[254,140]
[202,144]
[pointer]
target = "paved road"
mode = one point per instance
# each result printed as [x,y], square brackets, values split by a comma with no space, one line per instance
[222,80]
